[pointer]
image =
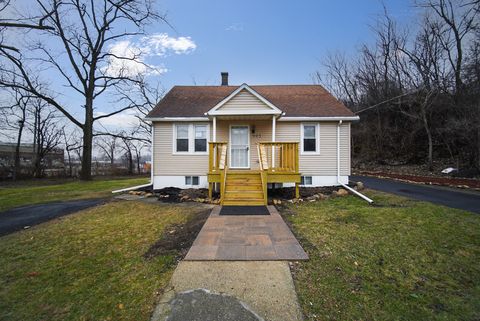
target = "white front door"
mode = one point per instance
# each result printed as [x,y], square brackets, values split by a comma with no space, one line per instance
[239,147]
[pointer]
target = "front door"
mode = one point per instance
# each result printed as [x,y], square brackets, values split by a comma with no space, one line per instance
[239,147]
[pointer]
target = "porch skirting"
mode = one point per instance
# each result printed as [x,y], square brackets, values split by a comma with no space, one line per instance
[179,181]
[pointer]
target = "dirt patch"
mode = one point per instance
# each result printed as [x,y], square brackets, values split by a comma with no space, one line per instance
[177,195]
[287,193]
[430,180]
[178,238]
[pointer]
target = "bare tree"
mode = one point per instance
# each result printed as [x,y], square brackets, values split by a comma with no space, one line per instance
[71,143]
[84,30]
[461,17]
[108,145]
[14,117]
[47,133]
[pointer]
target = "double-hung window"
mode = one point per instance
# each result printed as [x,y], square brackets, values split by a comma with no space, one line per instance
[190,138]
[200,138]
[310,138]
[182,138]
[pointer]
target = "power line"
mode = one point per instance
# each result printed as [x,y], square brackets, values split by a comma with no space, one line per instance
[386,101]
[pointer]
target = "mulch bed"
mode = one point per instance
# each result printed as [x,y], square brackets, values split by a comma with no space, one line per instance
[288,193]
[178,195]
[178,238]
[444,181]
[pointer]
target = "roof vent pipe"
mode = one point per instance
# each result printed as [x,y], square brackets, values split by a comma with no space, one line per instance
[224,78]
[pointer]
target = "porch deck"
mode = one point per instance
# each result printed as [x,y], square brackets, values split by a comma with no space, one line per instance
[277,163]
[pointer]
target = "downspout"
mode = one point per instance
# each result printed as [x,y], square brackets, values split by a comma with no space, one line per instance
[370,201]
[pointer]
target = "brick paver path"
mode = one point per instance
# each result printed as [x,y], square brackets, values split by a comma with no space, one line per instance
[245,238]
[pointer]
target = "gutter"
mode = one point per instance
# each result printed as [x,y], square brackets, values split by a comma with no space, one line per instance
[370,201]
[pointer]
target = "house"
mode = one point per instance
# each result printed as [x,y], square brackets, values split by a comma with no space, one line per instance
[241,139]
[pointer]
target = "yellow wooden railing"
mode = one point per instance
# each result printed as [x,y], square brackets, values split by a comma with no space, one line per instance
[278,156]
[217,164]
[217,158]
[276,159]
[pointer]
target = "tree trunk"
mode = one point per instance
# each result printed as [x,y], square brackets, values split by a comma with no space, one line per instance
[16,166]
[130,162]
[86,170]
[429,138]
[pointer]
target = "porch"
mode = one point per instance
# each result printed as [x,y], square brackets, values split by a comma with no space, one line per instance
[278,162]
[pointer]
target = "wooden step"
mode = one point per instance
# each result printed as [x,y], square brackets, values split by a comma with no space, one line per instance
[244,180]
[244,202]
[243,194]
[244,187]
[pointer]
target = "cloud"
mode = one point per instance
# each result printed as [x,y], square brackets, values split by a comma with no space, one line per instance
[237,26]
[124,120]
[129,58]
[161,44]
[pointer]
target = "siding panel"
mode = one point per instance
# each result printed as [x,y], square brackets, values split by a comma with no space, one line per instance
[165,163]
[326,162]
[244,102]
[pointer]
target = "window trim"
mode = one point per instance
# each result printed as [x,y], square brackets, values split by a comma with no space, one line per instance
[303,178]
[191,177]
[317,138]
[191,138]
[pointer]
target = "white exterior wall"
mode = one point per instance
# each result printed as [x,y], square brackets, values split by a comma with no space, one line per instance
[170,169]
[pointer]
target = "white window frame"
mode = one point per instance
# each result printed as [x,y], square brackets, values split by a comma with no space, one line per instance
[191,180]
[191,138]
[317,138]
[304,179]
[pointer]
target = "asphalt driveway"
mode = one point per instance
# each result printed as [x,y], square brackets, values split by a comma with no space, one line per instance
[17,218]
[451,197]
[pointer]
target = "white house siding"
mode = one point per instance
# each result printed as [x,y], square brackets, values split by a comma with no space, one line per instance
[168,164]
[243,103]
[172,168]
[325,163]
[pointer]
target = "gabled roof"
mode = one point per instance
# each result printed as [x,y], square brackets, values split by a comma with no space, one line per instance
[271,108]
[292,100]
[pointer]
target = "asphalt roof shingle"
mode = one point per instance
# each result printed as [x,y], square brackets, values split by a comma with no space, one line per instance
[294,100]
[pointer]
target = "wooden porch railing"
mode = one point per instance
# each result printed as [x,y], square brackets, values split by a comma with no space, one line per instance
[217,159]
[278,156]
[217,164]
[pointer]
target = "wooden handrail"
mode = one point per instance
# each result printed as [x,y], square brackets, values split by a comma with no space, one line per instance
[279,156]
[217,154]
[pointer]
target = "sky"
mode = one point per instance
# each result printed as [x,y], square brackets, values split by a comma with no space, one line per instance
[256,42]
[266,42]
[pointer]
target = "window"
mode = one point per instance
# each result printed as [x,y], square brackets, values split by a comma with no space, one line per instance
[190,138]
[306,180]
[200,138]
[182,138]
[310,142]
[192,180]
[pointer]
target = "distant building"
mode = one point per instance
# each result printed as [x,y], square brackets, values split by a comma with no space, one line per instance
[54,159]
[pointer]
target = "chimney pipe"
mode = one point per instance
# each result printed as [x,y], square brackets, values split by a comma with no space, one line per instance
[224,78]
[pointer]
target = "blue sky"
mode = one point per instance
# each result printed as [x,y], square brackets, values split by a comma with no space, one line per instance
[257,42]
[266,42]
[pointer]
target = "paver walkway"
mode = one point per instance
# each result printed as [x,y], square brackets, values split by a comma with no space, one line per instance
[245,237]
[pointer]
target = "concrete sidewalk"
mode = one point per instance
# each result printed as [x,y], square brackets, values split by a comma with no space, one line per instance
[264,288]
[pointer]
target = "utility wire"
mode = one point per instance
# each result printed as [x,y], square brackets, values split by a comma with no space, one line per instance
[386,101]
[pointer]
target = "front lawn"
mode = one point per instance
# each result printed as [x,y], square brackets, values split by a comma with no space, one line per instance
[400,260]
[13,196]
[89,265]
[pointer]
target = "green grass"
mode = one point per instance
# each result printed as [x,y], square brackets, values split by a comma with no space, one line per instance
[87,266]
[402,260]
[14,196]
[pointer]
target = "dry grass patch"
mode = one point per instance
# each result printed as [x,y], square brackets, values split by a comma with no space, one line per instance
[90,265]
[399,260]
